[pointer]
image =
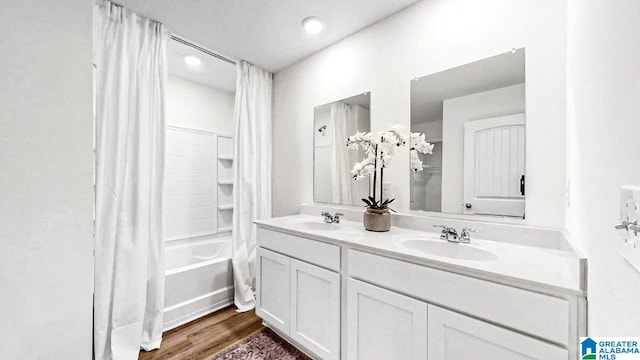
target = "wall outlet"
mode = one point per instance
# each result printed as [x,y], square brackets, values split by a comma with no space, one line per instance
[629,239]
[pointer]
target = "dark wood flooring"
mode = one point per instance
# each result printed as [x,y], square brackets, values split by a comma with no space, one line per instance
[201,339]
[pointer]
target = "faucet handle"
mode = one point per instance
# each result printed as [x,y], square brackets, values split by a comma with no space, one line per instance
[625,224]
[464,236]
[446,229]
[336,217]
[327,217]
[446,232]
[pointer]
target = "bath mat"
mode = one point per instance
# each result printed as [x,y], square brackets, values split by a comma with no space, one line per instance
[263,345]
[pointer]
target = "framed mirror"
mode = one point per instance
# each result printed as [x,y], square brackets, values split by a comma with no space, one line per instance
[474,114]
[332,161]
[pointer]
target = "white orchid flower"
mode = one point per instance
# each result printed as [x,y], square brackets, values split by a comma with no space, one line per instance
[394,135]
[418,143]
[363,168]
[361,140]
[379,151]
[416,163]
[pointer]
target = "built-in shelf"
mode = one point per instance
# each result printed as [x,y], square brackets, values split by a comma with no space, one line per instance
[224,166]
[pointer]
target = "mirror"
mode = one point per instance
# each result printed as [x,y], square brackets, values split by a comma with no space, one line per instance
[474,114]
[333,123]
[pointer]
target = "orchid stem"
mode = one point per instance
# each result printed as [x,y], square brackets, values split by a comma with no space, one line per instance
[381,182]
[375,173]
[381,175]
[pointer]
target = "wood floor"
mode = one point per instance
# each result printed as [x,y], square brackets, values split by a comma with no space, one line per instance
[201,339]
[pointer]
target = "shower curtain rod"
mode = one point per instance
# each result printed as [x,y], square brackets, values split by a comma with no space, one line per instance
[208,52]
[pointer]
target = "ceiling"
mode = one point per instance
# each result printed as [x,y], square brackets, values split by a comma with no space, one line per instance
[213,72]
[428,92]
[266,33]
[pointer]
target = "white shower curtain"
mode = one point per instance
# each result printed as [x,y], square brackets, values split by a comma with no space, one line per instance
[129,247]
[252,178]
[344,123]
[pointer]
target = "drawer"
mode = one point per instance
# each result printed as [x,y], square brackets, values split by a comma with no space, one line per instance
[534,313]
[311,251]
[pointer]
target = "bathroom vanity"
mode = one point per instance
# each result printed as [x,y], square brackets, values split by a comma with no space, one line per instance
[340,292]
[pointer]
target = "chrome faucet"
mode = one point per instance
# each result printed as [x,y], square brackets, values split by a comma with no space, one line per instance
[451,235]
[336,217]
[448,233]
[329,219]
[465,237]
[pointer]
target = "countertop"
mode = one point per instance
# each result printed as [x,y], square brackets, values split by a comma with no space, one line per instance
[530,267]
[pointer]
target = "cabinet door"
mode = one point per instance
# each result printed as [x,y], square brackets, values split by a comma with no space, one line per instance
[315,309]
[382,324]
[456,336]
[273,284]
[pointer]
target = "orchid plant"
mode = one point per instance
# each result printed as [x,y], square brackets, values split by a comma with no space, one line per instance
[379,151]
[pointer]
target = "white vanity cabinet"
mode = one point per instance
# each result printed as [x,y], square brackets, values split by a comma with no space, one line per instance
[273,288]
[341,300]
[382,324]
[315,309]
[503,322]
[300,299]
[456,336]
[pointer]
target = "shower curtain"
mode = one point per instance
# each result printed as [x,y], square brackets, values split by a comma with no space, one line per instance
[344,123]
[252,175]
[129,247]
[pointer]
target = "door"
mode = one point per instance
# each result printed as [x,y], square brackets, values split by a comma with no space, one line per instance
[494,156]
[382,324]
[453,336]
[273,284]
[315,309]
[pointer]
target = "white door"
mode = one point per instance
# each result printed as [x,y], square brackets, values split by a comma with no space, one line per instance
[453,336]
[494,155]
[273,284]
[384,325]
[315,309]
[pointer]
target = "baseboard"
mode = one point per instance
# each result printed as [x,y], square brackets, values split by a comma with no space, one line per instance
[200,308]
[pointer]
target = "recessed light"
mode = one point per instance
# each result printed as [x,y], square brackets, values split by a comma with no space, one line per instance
[192,61]
[312,24]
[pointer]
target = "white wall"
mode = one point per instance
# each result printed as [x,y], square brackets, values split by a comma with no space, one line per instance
[46,193]
[604,142]
[429,37]
[487,104]
[200,107]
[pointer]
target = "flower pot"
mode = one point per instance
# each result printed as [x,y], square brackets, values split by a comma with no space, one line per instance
[377,220]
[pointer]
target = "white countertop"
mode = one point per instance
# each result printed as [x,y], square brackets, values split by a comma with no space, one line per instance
[530,267]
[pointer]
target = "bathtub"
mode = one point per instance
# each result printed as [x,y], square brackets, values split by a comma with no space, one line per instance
[198,278]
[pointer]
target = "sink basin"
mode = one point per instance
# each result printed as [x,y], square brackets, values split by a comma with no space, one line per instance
[449,250]
[316,226]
